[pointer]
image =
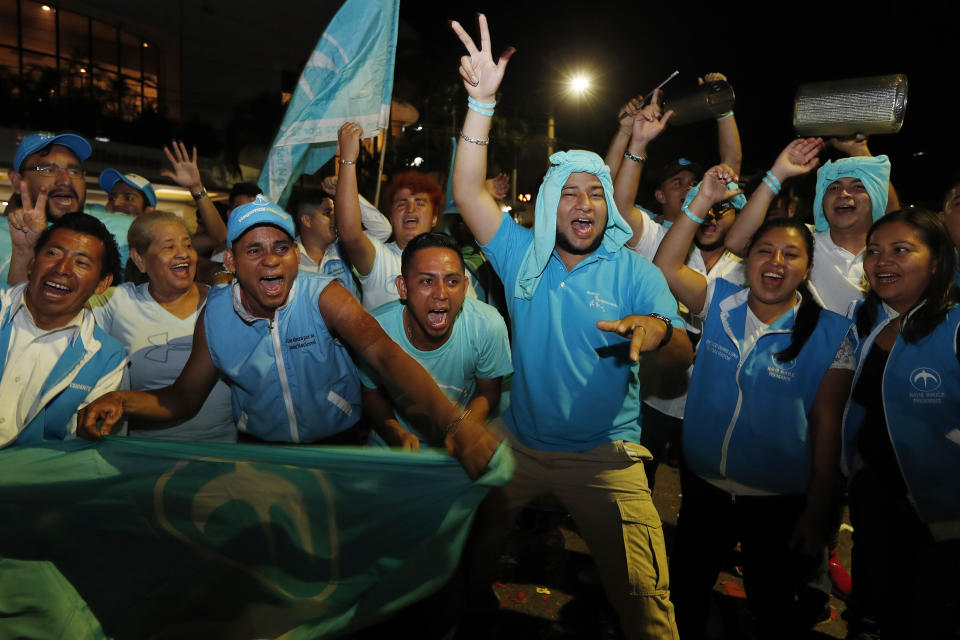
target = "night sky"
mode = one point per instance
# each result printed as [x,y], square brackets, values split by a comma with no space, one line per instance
[631,47]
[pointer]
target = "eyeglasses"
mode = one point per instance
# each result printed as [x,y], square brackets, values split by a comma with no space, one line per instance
[52,169]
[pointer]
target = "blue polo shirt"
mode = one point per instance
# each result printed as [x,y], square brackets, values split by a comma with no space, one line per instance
[574,386]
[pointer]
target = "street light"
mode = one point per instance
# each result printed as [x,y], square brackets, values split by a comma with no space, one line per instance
[577,85]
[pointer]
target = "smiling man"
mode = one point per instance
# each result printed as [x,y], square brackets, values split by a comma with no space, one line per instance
[280,341]
[129,194]
[460,341]
[55,359]
[851,194]
[48,181]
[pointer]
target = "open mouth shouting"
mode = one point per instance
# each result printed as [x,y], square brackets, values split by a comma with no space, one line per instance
[438,318]
[272,285]
[64,199]
[582,227]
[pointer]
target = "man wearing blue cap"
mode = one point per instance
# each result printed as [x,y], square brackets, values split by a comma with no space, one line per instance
[48,181]
[129,194]
[275,336]
[583,308]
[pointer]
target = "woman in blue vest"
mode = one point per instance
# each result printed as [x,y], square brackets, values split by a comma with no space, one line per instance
[761,430]
[901,443]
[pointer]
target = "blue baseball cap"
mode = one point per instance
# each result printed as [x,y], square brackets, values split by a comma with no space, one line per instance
[39,141]
[110,178]
[260,211]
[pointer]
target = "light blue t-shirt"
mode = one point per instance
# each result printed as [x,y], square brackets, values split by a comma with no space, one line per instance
[574,386]
[478,349]
[115,223]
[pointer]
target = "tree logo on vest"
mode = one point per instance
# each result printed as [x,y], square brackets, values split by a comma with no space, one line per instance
[926,381]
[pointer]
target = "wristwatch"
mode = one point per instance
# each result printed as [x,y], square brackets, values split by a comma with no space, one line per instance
[199,195]
[666,321]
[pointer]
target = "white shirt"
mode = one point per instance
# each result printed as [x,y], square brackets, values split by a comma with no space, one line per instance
[837,275]
[380,285]
[159,344]
[31,356]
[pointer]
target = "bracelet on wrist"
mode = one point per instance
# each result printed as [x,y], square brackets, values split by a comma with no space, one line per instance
[199,195]
[639,158]
[686,210]
[454,426]
[483,108]
[665,320]
[483,105]
[771,181]
[342,161]
[726,115]
[479,141]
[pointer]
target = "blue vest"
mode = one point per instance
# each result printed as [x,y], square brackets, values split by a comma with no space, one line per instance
[921,398]
[70,381]
[746,417]
[290,380]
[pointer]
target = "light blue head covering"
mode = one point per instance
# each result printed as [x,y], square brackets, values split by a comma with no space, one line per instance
[873,172]
[563,163]
[738,201]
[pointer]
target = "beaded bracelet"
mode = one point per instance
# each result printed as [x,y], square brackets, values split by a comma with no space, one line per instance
[636,158]
[480,141]
[686,210]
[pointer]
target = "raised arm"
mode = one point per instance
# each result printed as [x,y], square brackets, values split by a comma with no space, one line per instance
[186,173]
[728,136]
[622,137]
[797,158]
[648,123]
[179,401]
[854,147]
[468,440]
[347,201]
[481,79]
[688,286]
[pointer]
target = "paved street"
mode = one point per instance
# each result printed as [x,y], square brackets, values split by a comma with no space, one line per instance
[548,587]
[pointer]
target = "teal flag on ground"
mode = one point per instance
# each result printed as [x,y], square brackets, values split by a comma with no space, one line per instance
[349,77]
[139,539]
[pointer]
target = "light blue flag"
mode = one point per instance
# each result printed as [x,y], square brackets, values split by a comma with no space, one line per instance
[145,538]
[348,78]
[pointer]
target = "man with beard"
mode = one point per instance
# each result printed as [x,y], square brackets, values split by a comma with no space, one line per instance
[583,309]
[48,182]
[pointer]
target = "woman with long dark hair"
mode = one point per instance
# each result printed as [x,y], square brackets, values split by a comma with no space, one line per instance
[901,444]
[761,430]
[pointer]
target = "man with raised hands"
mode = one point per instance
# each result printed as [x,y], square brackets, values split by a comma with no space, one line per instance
[582,308]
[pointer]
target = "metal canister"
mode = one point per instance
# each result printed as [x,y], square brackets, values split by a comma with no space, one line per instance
[864,106]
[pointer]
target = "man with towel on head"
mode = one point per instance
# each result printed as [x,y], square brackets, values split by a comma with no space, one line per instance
[582,309]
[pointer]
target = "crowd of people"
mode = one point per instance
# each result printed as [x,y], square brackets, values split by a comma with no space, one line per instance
[826,367]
